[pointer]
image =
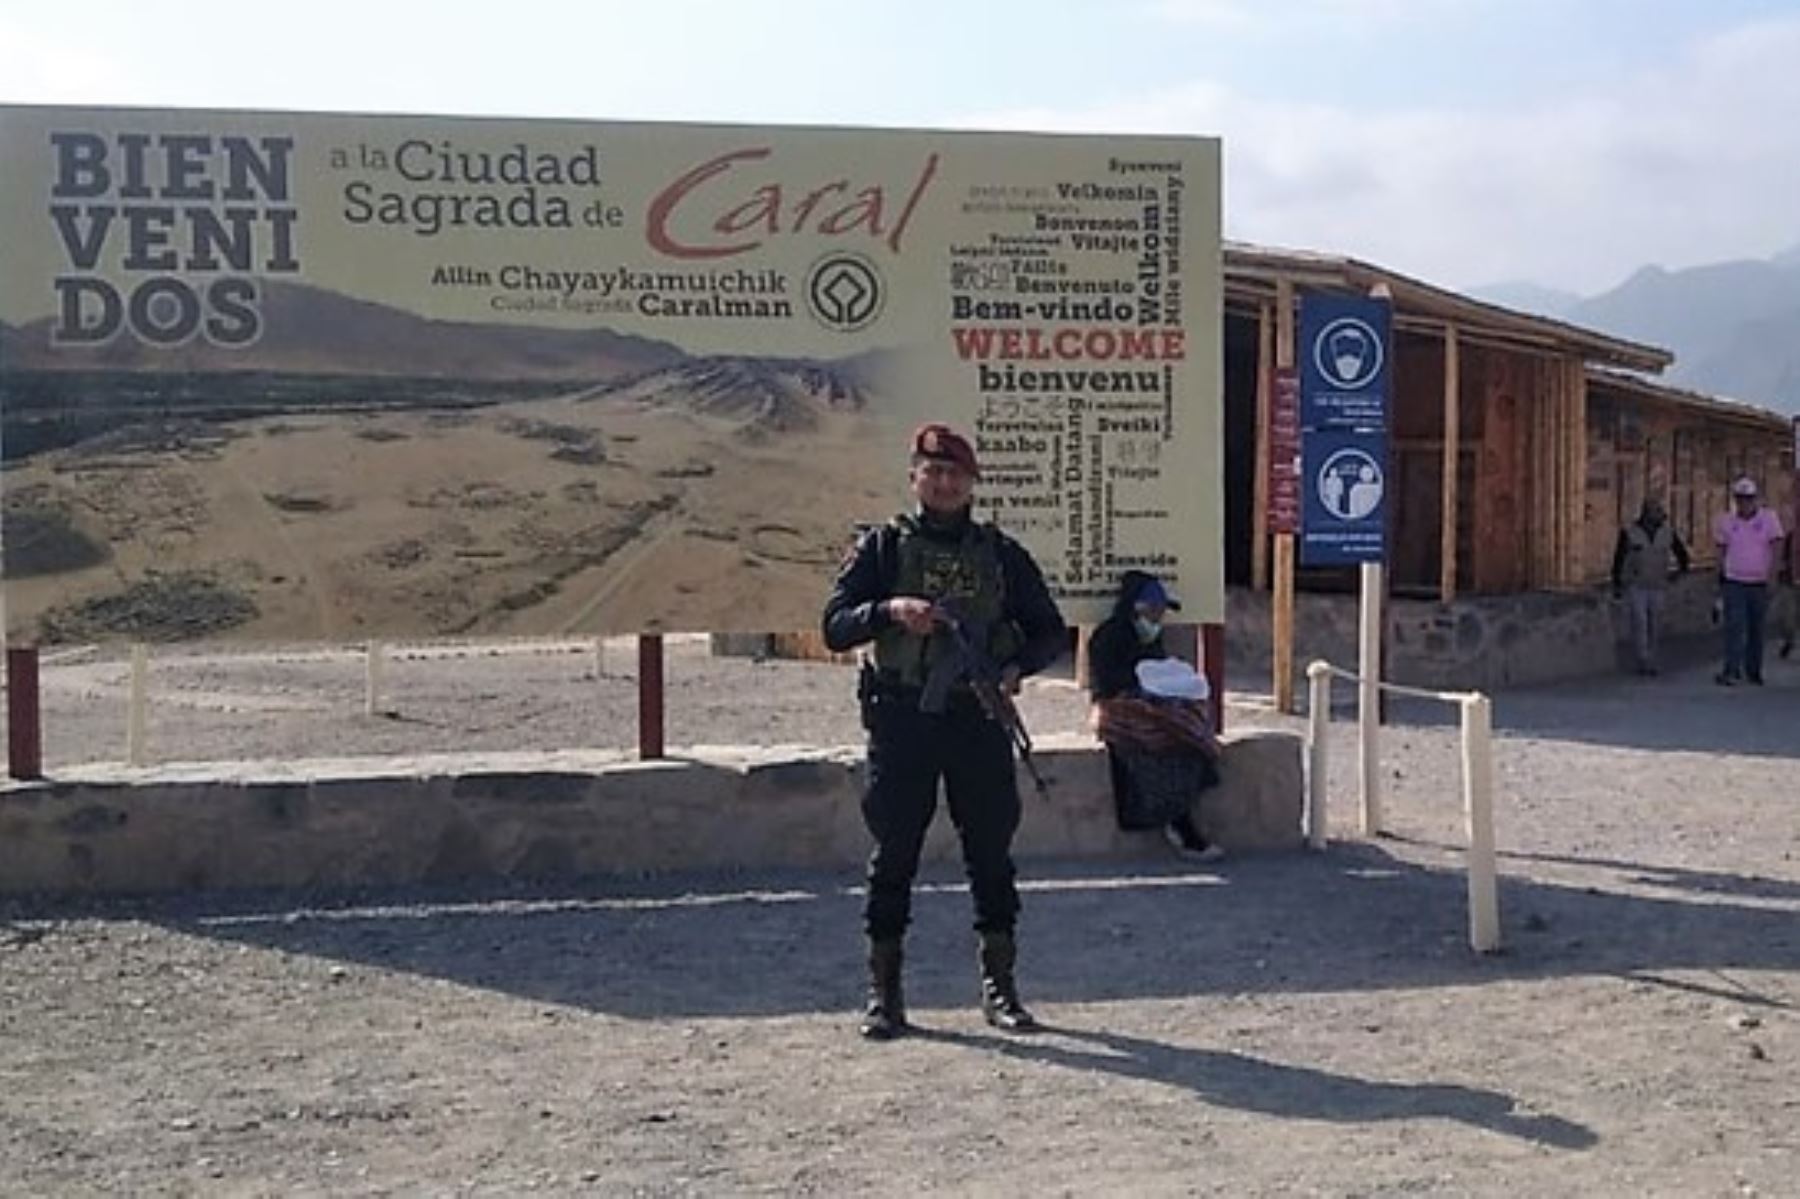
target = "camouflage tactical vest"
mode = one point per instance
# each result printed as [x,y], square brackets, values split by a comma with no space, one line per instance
[967,571]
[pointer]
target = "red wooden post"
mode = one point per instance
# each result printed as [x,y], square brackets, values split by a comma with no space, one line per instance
[24,724]
[1212,649]
[650,696]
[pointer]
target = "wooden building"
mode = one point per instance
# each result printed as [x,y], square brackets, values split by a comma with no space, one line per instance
[1685,448]
[1518,442]
[1518,447]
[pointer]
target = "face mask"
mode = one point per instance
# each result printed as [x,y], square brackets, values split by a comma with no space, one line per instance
[1147,629]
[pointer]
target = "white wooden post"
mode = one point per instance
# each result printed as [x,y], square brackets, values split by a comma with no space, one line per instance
[1478,803]
[137,706]
[376,662]
[599,657]
[1368,707]
[1318,735]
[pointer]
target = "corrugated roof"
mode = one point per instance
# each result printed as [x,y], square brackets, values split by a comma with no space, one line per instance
[1251,272]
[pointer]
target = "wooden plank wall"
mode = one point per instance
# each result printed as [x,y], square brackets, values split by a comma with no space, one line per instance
[1530,483]
[1555,404]
[1642,448]
[1503,504]
[1542,405]
[1573,467]
[1603,500]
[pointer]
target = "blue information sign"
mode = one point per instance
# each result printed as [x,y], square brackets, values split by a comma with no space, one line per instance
[1345,486]
[1345,373]
[1344,362]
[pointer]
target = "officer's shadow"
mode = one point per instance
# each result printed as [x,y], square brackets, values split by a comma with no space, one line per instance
[1236,1080]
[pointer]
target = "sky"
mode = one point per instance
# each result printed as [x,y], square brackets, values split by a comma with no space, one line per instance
[1566,142]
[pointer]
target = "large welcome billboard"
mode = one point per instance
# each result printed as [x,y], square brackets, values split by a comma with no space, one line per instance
[280,376]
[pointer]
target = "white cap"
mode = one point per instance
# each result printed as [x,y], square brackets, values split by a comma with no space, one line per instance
[1745,486]
[1171,678]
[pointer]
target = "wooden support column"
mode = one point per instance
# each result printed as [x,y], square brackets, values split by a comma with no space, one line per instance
[1538,535]
[1560,447]
[1562,473]
[1282,618]
[1265,406]
[1452,461]
[1543,479]
[1569,500]
[1544,489]
[1578,471]
[1565,514]
[1283,624]
[1559,474]
[1553,473]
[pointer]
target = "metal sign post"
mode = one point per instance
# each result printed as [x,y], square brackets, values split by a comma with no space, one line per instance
[1346,373]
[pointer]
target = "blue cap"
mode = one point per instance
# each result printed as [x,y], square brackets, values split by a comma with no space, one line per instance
[1151,591]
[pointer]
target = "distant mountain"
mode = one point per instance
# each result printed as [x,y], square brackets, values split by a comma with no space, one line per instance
[309,330]
[1526,296]
[1697,307]
[1734,326]
[1759,361]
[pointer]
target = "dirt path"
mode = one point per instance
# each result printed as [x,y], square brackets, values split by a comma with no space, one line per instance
[1273,1026]
[621,568]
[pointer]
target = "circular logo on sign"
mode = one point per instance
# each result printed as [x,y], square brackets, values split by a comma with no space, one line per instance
[1348,353]
[844,291]
[1350,485]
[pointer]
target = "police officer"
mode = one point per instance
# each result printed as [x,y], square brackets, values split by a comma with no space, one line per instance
[888,592]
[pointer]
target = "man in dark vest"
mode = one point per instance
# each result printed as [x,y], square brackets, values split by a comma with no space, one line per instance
[891,591]
[1646,554]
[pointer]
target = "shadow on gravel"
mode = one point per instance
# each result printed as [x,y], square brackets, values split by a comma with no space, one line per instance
[1700,882]
[1236,1080]
[1685,713]
[1359,918]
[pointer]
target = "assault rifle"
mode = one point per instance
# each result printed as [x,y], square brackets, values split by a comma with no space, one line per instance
[971,663]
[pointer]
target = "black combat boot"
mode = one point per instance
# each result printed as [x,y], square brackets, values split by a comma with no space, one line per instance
[1000,1003]
[885,1017]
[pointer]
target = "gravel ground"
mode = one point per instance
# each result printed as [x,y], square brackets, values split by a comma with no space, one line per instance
[1295,1024]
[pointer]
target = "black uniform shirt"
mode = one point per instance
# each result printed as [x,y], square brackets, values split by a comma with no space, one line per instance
[853,612]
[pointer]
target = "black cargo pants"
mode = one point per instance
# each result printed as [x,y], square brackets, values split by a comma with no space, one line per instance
[909,751]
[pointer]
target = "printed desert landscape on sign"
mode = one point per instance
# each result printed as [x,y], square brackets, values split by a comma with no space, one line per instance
[380,474]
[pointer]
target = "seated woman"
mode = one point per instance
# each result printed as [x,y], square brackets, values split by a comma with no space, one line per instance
[1150,710]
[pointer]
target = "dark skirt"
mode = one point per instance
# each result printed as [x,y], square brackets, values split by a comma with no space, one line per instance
[1153,789]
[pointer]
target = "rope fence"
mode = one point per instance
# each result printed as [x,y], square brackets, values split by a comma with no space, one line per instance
[1477,780]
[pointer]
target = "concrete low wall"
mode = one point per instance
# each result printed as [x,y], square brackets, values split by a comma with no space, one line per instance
[113,830]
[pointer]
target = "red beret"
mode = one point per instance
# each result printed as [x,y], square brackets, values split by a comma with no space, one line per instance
[944,444]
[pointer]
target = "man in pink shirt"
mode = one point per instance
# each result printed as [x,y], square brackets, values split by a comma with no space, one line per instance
[1749,537]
